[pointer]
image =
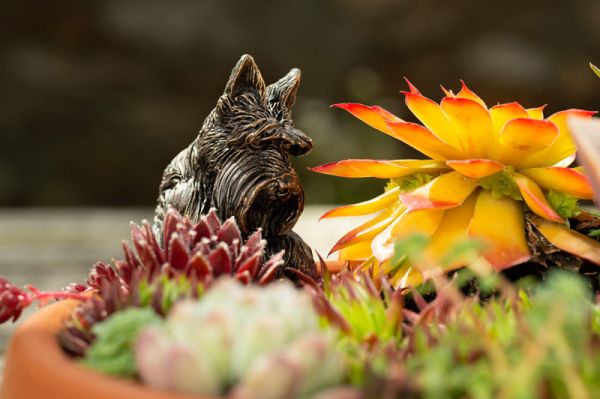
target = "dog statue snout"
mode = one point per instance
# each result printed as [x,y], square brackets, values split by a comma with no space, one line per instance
[297,143]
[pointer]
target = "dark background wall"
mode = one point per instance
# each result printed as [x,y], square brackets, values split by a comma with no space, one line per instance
[97,96]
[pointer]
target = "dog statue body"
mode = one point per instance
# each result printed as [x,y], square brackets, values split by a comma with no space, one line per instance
[240,164]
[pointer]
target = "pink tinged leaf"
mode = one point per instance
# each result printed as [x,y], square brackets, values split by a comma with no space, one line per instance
[423,140]
[243,255]
[145,252]
[203,247]
[367,230]
[137,237]
[324,308]
[446,191]
[152,241]
[537,112]
[255,243]
[202,230]
[528,134]
[234,249]
[431,115]
[169,225]
[465,92]
[124,270]
[269,269]
[75,288]
[214,224]
[359,168]
[569,181]
[534,198]
[419,300]
[250,265]
[412,88]
[563,146]
[220,260]
[472,124]
[186,235]
[229,232]
[367,207]
[374,116]
[502,113]
[569,240]
[506,241]
[101,272]
[447,93]
[129,255]
[149,260]
[476,168]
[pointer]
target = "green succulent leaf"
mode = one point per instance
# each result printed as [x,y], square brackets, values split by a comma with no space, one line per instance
[410,182]
[112,350]
[466,250]
[410,248]
[595,69]
[502,184]
[594,233]
[565,205]
[485,344]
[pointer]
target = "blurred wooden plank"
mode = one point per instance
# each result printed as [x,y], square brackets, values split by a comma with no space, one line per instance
[52,247]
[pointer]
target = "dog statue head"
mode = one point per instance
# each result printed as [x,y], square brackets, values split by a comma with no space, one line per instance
[240,161]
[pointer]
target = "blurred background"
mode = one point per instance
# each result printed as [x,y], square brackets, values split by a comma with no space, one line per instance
[97,96]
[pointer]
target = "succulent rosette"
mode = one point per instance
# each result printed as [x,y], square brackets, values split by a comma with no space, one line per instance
[486,167]
[265,342]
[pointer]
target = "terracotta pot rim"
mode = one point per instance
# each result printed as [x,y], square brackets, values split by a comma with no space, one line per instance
[36,366]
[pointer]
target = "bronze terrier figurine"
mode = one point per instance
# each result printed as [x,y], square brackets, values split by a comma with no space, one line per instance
[240,164]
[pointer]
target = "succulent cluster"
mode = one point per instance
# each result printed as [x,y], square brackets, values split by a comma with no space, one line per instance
[542,341]
[201,251]
[151,274]
[485,164]
[193,256]
[363,311]
[545,344]
[259,342]
[178,312]
[13,300]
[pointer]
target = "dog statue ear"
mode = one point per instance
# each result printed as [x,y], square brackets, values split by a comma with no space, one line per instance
[281,95]
[245,77]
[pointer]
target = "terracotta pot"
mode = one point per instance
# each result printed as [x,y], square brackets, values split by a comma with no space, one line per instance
[36,366]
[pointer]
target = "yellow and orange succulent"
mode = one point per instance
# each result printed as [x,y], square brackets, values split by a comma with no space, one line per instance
[486,167]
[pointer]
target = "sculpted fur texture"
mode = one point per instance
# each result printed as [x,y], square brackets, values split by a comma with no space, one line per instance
[240,164]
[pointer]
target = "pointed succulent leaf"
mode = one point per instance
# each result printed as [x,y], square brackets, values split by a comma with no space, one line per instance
[214,224]
[595,69]
[169,225]
[220,260]
[250,265]
[178,253]
[199,266]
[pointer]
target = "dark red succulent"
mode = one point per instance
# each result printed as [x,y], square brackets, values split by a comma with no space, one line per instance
[202,251]
[13,300]
[150,273]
